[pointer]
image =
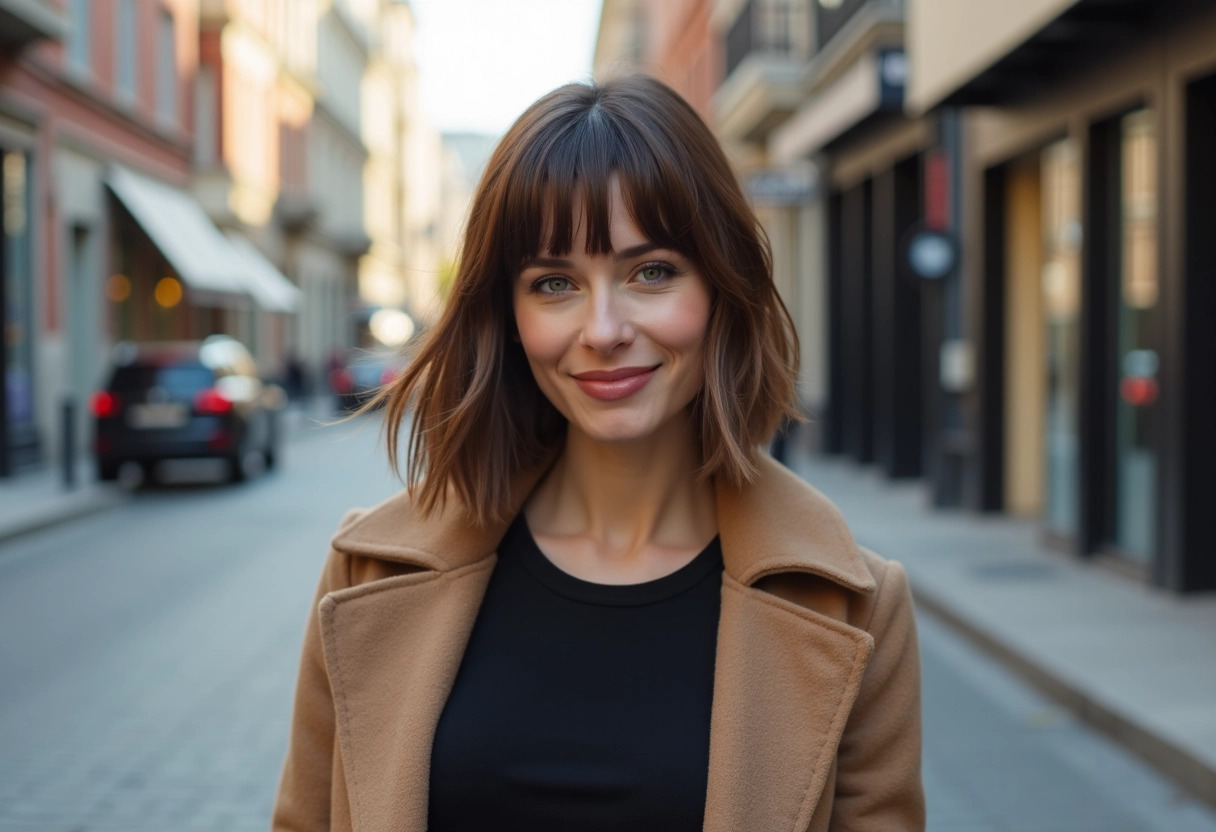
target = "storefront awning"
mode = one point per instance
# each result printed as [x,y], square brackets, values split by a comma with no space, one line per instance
[185,235]
[269,287]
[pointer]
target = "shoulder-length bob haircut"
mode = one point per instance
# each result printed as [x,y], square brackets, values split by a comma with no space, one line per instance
[478,415]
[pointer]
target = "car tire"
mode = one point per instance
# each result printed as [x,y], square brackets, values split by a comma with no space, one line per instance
[236,467]
[107,470]
[271,454]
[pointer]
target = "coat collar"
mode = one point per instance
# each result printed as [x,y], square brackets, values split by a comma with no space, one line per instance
[774,524]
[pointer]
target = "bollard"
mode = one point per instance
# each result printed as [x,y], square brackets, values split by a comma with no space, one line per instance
[69,443]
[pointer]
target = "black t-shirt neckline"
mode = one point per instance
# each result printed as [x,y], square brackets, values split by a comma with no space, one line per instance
[519,537]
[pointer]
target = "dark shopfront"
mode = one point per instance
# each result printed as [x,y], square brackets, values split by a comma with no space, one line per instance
[18,434]
[875,344]
[1094,307]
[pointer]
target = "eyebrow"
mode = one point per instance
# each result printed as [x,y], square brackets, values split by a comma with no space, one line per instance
[559,263]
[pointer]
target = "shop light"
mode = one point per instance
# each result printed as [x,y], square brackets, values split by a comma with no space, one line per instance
[391,327]
[168,292]
[118,288]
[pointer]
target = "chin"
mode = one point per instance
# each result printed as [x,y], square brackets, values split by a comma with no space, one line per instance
[617,430]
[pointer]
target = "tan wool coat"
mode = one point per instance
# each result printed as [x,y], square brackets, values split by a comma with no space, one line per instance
[815,720]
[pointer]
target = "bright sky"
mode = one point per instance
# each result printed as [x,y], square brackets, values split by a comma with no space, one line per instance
[482,62]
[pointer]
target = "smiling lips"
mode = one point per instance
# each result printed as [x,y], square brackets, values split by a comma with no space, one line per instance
[610,385]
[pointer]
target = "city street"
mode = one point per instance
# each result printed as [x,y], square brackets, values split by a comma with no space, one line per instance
[148,655]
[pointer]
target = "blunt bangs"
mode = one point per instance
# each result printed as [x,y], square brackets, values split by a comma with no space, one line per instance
[565,174]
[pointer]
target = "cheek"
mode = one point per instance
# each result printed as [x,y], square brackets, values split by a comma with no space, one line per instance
[543,342]
[686,323]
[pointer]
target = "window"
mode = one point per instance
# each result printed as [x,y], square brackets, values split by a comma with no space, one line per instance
[79,32]
[205,107]
[126,42]
[166,69]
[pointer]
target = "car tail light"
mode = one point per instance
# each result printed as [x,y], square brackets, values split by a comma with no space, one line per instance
[388,376]
[104,404]
[212,402]
[341,381]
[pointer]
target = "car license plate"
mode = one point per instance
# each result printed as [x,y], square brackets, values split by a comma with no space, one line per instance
[159,415]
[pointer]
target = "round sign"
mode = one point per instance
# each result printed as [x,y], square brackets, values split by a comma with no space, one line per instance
[932,254]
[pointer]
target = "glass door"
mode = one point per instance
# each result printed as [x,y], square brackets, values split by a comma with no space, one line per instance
[1136,409]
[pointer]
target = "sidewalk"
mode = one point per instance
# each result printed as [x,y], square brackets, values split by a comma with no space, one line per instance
[37,499]
[1136,662]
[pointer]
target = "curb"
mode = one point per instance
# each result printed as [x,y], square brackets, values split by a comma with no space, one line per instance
[1174,762]
[69,508]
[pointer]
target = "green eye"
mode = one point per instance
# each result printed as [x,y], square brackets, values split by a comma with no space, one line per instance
[555,285]
[654,273]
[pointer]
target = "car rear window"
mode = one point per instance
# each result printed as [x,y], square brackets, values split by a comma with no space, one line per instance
[174,379]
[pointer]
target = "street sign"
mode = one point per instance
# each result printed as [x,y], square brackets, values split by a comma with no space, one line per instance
[782,187]
[931,254]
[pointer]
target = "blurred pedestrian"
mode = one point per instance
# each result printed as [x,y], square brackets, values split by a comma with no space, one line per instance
[599,605]
[295,377]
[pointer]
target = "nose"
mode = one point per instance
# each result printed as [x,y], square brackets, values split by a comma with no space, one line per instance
[607,324]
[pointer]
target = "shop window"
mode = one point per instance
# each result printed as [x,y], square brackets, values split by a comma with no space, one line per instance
[16,281]
[1061,298]
[79,32]
[166,69]
[126,46]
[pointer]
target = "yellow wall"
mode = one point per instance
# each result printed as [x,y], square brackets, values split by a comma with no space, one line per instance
[1024,347]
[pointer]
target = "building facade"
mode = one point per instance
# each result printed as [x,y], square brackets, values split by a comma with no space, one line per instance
[91,93]
[175,168]
[1086,174]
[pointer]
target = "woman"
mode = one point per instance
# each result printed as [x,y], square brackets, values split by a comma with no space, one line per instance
[598,605]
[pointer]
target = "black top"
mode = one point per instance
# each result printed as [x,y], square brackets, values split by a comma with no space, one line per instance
[580,705]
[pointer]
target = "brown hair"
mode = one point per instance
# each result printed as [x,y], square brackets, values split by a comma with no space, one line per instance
[479,416]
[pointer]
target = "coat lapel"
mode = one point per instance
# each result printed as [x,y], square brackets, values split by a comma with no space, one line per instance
[392,649]
[784,684]
[786,676]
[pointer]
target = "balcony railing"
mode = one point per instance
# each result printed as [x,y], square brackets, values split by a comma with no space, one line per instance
[831,16]
[763,26]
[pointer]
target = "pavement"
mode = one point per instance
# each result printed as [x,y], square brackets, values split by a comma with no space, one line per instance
[39,498]
[1133,661]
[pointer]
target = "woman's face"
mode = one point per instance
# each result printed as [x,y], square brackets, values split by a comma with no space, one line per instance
[615,341]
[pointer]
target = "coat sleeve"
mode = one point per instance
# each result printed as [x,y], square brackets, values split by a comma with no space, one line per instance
[305,788]
[878,777]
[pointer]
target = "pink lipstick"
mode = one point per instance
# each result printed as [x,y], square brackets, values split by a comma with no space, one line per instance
[610,385]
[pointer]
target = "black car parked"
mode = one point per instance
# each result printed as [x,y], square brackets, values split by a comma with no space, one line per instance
[185,400]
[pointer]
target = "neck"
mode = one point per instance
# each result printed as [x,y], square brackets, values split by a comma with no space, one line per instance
[628,498]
